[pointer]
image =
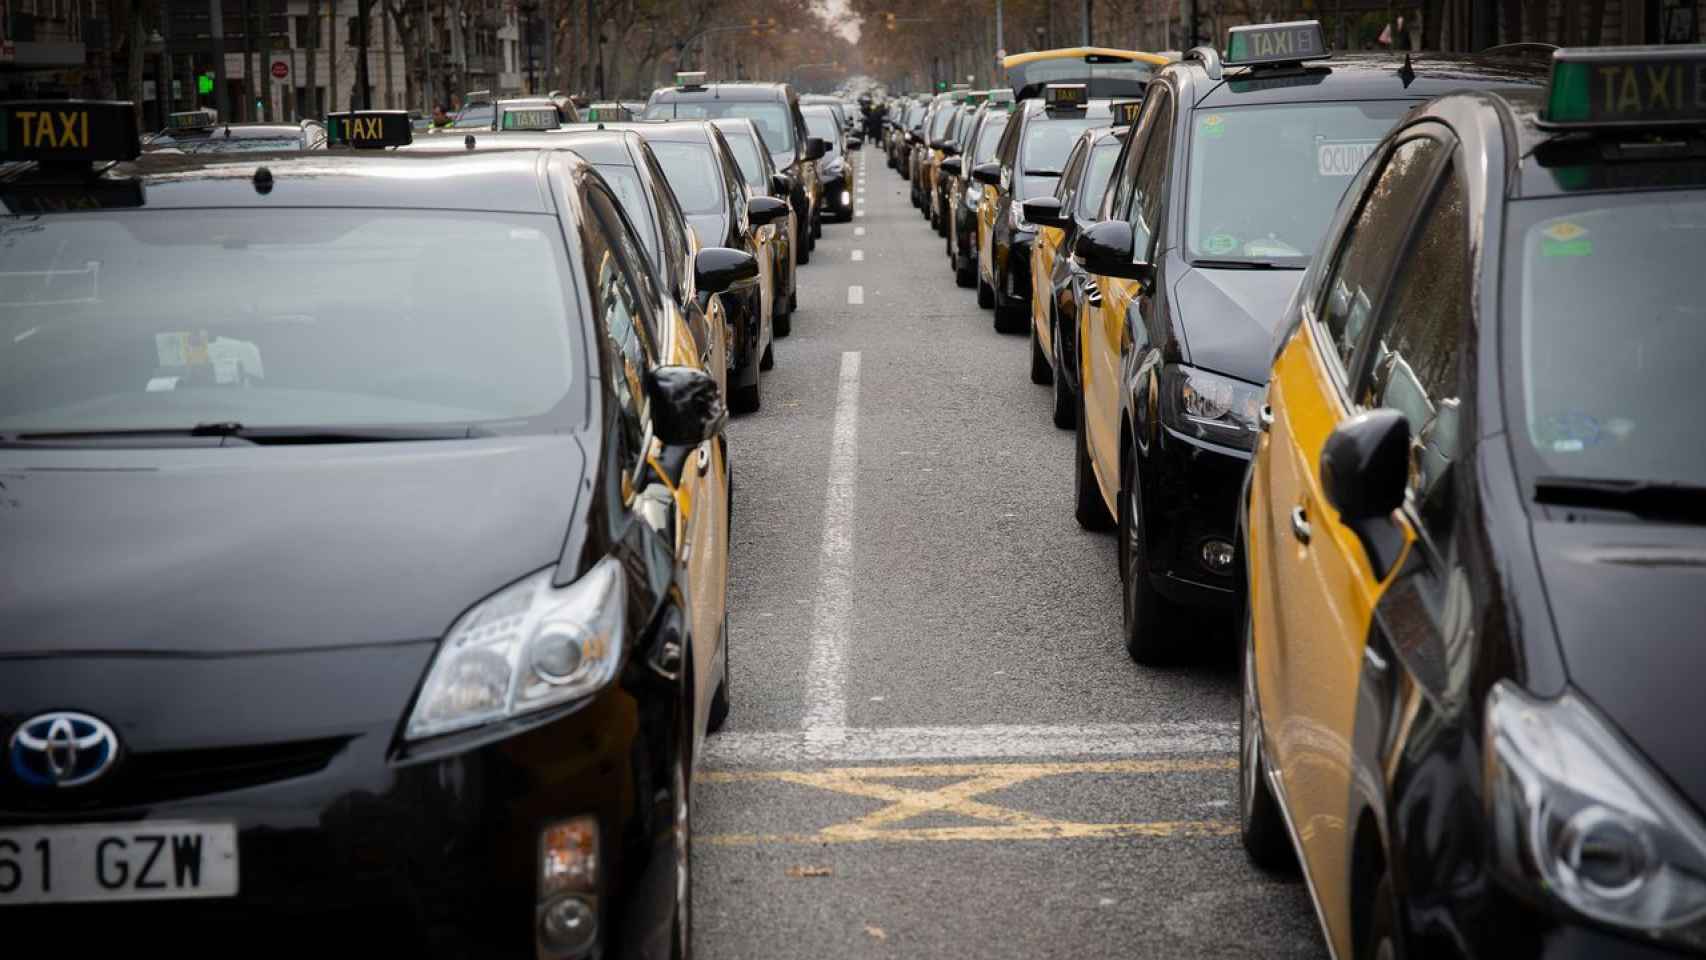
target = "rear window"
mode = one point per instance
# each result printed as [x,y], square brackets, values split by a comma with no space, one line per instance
[746,154]
[774,120]
[989,138]
[693,174]
[1048,141]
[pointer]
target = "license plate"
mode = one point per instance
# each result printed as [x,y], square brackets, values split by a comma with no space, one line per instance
[108,862]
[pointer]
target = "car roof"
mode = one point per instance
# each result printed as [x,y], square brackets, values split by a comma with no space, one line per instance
[677,131]
[724,91]
[1355,76]
[593,141]
[509,181]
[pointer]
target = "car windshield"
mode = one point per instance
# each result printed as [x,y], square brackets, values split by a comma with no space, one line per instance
[821,123]
[164,320]
[479,115]
[693,175]
[239,144]
[1612,333]
[989,138]
[624,181]
[751,165]
[1264,180]
[941,123]
[775,124]
[1049,140]
[1104,76]
[1097,173]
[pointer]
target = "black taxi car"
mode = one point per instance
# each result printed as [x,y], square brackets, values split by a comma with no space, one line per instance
[775,108]
[201,131]
[1474,530]
[977,147]
[1220,194]
[764,180]
[329,613]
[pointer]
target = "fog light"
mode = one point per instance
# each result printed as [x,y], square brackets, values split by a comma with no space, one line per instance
[568,857]
[1217,555]
[569,925]
[846,198]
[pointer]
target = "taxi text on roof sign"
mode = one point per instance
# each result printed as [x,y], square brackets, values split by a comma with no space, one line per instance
[1291,42]
[689,79]
[532,118]
[1126,111]
[73,131]
[370,129]
[1066,96]
[192,119]
[1627,86]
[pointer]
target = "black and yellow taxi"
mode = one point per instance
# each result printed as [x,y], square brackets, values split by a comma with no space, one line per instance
[964,194]
[378,586]
[1029,160]
[944,147]
[1219,196]
[201,131]
[937,116]
[1474,522]
[1059,285]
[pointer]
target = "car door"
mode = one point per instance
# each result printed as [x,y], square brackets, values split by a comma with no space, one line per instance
[1046,249]
[1103,332]
[991,206]
[1325,586]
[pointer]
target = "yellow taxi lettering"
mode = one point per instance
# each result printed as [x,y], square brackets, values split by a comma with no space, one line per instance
[1659,86]
[73,133]
[30,121]
[1629,92]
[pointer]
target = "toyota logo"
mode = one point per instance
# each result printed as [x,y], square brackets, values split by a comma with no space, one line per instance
[62,749]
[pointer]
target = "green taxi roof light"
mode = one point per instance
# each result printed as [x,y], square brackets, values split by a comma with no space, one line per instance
[1567,100]
[1612,87]
[1263,43]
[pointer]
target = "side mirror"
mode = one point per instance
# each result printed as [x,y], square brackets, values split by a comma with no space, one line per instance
[1044,212]
[951,149]
[716,269]
[855,143]
[781,183]
[940,144]
[763,210]
[1365,470]
[816,147]
[987,173]
[687,407]
[951,166]
[1108,249]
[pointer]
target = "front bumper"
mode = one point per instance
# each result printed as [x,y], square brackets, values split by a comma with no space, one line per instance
[837,196]
[1190,495]
[1013,268]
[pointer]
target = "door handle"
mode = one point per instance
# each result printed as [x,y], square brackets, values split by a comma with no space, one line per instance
[1092,295]
[1265,417]
[704,460]
[1300,524]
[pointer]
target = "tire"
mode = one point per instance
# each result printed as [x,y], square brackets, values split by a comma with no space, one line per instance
[1088,508]
[782,324]
[793,301]
[1260,823]
[1065,401]
[769,360]
[720,698]
[1151,623]
[802,256]
[747,399]
[1008,317]
[681,831]
[817,228]
[1382,942]
[966,276]
[1042,373]
[985,293]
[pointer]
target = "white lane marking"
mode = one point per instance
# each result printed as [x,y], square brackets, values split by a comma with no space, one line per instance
[858,231]
[871,744]
[858,255]
[855,295]
[826,677]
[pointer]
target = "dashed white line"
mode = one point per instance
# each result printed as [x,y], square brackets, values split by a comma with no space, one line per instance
[826,677]
[858,231]
[999,741]
[858,255]
[855,294]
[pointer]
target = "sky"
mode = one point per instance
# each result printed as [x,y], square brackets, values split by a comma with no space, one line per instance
[835,11]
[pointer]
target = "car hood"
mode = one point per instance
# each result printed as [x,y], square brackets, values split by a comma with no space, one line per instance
[1627,602]
[713,229]
[270,549]
[1228,317]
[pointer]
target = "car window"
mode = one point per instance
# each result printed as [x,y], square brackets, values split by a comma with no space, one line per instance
[1125,180]
[625,246]
[693,174]
[1008,149]
[1069,177]
[1049,140]
[625,182]
[989,138]
[775,124]
[1093,185]
[672,225]
[819,123]
[1413,363]
[1371,245]
[734,188]
[747,155]
[1149,187]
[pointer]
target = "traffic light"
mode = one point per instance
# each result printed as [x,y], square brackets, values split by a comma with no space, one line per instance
[204,83]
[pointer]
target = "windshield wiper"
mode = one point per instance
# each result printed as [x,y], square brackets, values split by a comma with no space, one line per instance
[1678,501]
[1243,265]
[231,433]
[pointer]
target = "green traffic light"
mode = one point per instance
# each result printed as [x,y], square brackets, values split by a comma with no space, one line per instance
[204,83]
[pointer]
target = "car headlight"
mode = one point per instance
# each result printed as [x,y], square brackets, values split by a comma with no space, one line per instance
[974,193]
[1577,817]
[1211,407]
[527,647]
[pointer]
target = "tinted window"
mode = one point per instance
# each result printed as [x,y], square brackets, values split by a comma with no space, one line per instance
[1094,184]
[1414,367]
[989,138]
[746,154]
[1109,78]
[299,318]
[670,223]
[821,123]
[1149,187]
[1069,179]
[240,144]
[625,182]
[1048,141]
[693,174]
[1372,243]
[1264,180]
[775,122]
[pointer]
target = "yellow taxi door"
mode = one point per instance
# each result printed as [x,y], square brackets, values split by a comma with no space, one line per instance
[1043,251]
[1321,597]
[986,232]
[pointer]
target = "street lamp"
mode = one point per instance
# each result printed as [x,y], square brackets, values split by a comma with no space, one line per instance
[527,9]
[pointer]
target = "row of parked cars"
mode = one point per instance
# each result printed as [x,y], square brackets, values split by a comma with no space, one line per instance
[1385,359]
[364,516]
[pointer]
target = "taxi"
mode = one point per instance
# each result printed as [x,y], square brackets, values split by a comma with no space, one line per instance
[1028,162]
[1059,285]
[608,111]
[977,147]
[1474,524]
[1220,194]
[936,117]
[764,180]
[492,555]
[200,131]
[943,147]
[533,113]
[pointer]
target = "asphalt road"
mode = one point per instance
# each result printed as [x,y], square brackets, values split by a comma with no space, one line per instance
[938,747]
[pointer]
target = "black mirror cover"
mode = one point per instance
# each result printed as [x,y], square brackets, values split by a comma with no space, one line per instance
[1044,212]
[687,407]
[987,173]
[951,165]
[765,210]
[816,147]
[781,183]
[1106,249]
[716,269]
[855,143]
[1365,464]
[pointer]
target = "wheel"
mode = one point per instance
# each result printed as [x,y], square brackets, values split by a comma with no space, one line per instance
[966,275]
[1090,511]
[1041,373]
[985,293]
[1383,933]
[1151,622]
[1008,316]
[817,227]
[747,399]
[793,301]
[1065,402]
[720,698]
[802,253]
[681,832]
[1259,819]
[769,360]
[783,323]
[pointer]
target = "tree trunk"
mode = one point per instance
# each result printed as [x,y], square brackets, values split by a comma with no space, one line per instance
[263,65]
[133,66]
[311,89]
[1596,22]
[332,55]
[385,31]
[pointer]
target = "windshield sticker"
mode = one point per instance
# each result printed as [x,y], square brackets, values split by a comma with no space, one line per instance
[1565,239]
[1271,246]
[1220,243]
[1567,432]
[1342,158]
[1213,125]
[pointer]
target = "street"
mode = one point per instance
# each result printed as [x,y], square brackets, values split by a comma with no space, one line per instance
[938,746]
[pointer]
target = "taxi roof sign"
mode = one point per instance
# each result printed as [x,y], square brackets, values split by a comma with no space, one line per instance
[690,79]
[202,119]
[69,132]
[1260,43]
[370,129]
[1126,111]
[1656,86]
[528,116]
[1066,96]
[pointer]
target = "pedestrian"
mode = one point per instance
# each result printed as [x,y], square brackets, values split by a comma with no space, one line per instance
[439,117]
